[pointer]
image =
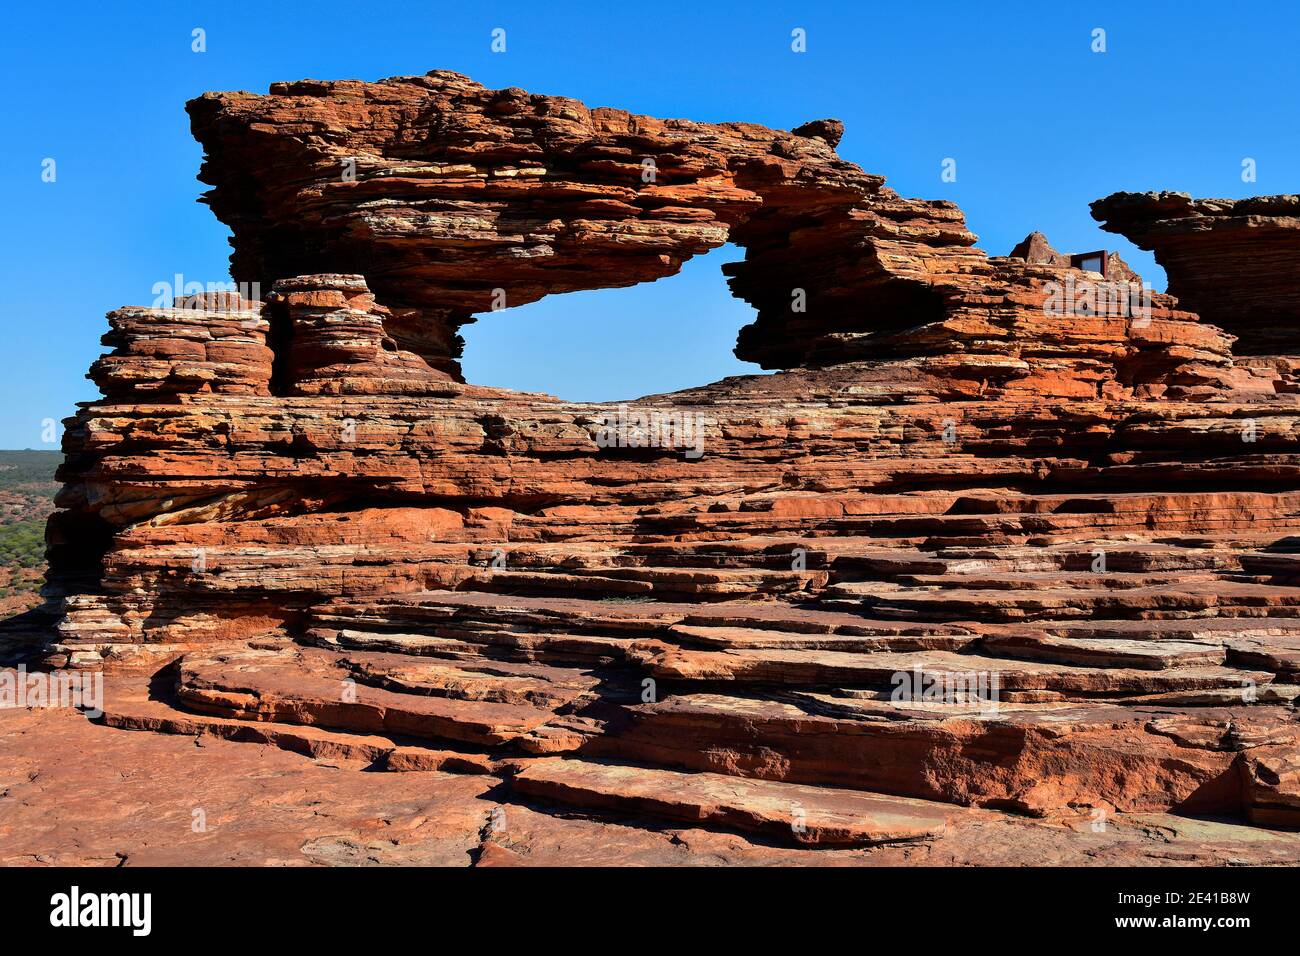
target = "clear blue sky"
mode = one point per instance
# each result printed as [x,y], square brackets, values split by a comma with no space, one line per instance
[1038,123]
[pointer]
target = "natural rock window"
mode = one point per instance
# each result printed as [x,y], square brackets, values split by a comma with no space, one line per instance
[607,344]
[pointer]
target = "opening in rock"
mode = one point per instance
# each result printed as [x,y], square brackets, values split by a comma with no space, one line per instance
[278,338]
[611,344]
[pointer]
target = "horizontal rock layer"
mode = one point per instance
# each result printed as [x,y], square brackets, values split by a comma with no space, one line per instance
[474,572]
[86,795]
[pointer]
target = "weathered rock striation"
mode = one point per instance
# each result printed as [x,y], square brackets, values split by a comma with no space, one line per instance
[1071,511]
[1236,262]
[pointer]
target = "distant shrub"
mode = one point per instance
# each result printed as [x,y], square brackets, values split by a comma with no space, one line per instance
[23,543]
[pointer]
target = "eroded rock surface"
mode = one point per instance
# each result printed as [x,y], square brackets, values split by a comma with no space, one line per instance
[292,524]
[78,795]
[1236,262]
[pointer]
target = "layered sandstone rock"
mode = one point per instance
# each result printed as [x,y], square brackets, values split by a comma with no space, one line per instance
[453,200]
[1073,514]
[80,796]
[1236,262]
[212,343]
[331,338]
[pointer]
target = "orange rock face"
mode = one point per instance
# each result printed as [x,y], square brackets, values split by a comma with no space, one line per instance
[1234,261]
[1000,538]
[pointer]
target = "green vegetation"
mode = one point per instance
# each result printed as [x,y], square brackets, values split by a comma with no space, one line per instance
[27,490]
[22,544]
[29,470]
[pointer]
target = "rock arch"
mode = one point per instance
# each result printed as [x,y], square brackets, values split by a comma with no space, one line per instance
[441,192]
[446,196]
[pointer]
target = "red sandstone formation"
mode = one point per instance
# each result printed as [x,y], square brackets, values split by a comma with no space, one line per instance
[1235,262]
[295,525]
